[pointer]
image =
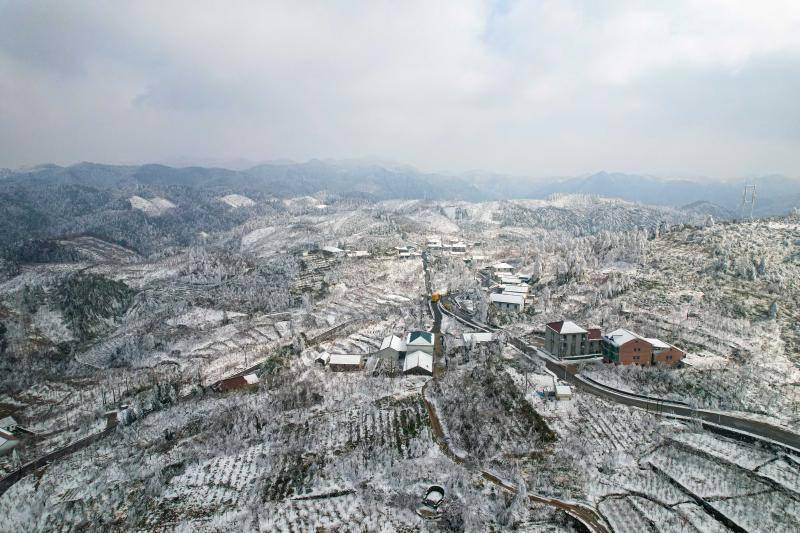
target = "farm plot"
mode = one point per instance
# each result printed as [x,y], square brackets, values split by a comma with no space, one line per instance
[654,484]
[635,513]
[306,457]
[371,288]
[348,512]
[766,512]
[748,457]
[696,517]
[707,478]
[785,472]
[623,515]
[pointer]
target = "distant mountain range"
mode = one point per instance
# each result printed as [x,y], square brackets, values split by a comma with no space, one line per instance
[381,181]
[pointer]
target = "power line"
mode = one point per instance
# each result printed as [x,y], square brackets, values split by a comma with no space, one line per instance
[748,198]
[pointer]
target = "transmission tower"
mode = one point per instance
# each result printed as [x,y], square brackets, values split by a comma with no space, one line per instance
[748,198]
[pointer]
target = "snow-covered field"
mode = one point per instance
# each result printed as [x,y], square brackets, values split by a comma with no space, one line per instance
[311,448]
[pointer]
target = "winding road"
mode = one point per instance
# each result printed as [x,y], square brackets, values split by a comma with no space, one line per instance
[718,421]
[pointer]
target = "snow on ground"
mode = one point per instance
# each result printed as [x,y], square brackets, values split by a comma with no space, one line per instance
[744,455]
[199,317]
[237,200]
[153,207]
[50,323]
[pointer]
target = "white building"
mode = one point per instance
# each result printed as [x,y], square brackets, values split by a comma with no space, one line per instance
[418,362]
[420,340]
[502,268]
[563,392]
[391,348]
[345,362]
[508,302]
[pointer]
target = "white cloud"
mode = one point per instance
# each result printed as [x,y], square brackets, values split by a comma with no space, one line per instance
[537,88]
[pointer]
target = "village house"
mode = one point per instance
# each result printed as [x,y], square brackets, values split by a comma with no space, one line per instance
[508,302]
[502,269]
[392,348]
[236,382]
[434,243]
[665,353]
[332,251]
[418,363]
[458,248]
[625,347]
[420,340]
[341,362]
[565,339]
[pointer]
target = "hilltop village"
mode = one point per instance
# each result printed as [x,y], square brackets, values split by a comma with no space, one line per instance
[572,364]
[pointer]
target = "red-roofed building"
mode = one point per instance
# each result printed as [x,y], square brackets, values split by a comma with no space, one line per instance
[237,382]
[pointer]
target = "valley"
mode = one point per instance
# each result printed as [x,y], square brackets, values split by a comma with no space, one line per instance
[98,330]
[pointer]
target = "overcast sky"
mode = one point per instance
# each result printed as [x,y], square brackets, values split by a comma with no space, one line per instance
[688,88]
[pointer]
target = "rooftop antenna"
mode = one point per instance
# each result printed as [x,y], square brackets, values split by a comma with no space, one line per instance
[748,198]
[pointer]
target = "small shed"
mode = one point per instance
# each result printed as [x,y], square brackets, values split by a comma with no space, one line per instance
[237,382]
[563,392]
[345,362]
[322,358]
[332,251]
[418,363]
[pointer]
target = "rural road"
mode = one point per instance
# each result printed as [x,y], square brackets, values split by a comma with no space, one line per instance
[584,514]
[714,420]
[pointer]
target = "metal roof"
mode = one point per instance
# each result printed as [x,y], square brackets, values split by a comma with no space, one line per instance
[344,359]
[418,359]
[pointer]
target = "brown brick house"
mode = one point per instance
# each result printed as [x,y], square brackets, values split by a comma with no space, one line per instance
[665,353]
[627,348]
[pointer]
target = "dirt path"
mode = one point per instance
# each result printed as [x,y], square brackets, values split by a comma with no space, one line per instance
[587,516]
